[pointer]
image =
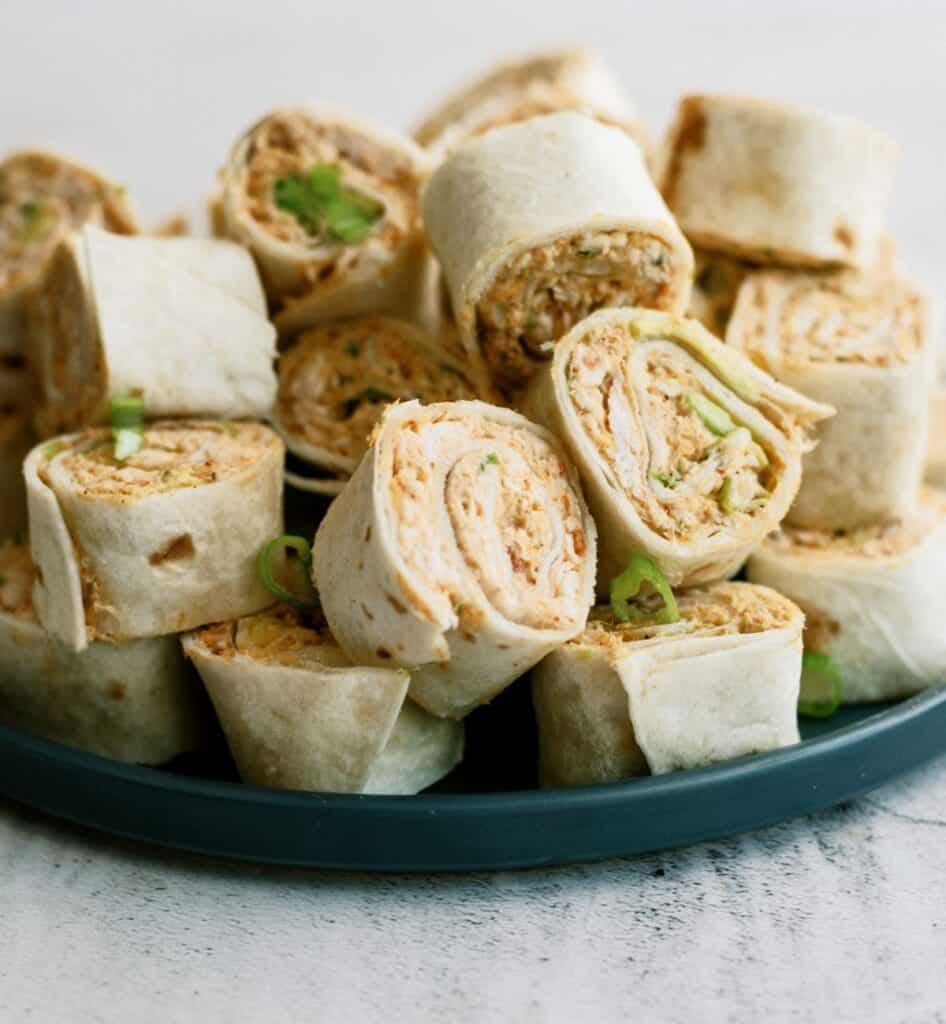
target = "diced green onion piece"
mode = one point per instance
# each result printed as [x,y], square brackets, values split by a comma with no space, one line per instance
[714,417]
[492,459]
[306,596]
[127,416]
[322,204]
[727,500]
[642,570]
[820,694]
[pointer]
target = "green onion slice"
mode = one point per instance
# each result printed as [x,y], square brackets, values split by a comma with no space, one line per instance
[714,417]
[305,596]
[127,416]
[323,205]
[642,570]
[820,694]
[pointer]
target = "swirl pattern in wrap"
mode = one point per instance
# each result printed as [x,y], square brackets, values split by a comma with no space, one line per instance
[873,598]
[687,451]
[314,277]
[461,548]
[540,223]
[298,714]
[161,542]
[43,197]
[860,343]
[623,699]
[335,381]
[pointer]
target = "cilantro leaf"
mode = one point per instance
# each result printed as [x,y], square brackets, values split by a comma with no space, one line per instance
[325,207]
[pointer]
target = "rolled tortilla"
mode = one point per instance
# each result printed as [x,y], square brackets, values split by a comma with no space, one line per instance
[777,183]
[623,699]
[537,225]
[936,448]
[687,451]
[299,715]
[162,542]
[181,321]
[860,343]
[716,281]
[873,598]
[335,381]
[43,196]
[546,83]
[461,548]
[136,702]
[309,271]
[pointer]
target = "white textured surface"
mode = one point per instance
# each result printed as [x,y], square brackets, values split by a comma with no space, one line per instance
[834,918]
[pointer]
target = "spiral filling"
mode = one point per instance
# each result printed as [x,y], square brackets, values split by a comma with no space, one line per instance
[42,198]
[484,510]
[673,437]
[173,456]
[721,609]
[542,293]
[287,147]
[840,318]
[335,382]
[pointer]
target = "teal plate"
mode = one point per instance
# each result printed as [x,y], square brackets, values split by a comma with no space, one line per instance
[488,814]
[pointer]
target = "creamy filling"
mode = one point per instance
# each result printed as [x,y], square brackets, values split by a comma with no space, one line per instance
[287,144]
[337,379]
[481,507]
[721,609]
[842,317]
[16,581]
[545,291]
[173,456]
[278,636]
[644,407]
[716,281]
[71,377]
[879,540]
[41,200]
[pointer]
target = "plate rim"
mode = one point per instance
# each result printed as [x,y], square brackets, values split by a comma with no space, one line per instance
[505,802]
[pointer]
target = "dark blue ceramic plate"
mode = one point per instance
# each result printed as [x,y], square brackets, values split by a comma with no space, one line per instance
[485,815]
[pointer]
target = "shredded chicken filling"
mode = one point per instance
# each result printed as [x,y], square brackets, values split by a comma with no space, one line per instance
[173,456]
[16,581]
[841,317]
[335,382]
[545,291]
[41,200]
[283,145]
[721,609]
[879,540]
[479,506]
[278,636]
[635,403]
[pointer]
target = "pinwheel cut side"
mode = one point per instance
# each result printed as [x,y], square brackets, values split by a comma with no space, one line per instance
[860,342]
[328,205]
[540,223]
[149,545]
[625,699]
[43,197]
[336,380]
[461,549]
[872,597]
[687,451]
